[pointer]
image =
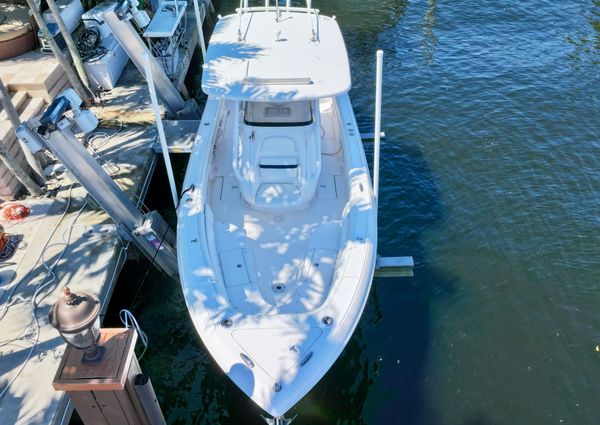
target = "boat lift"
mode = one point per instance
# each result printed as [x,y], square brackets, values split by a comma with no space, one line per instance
[385,266]
[55,131]
[119,20]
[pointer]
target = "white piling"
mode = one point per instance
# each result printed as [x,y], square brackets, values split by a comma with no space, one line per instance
[200,33]
[377,140]
[160,128]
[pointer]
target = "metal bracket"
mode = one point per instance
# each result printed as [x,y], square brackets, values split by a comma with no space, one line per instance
[280,420]
[371,136]
[394,266]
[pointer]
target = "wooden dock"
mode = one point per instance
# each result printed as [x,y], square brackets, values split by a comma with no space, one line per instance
[67,228]
[91,261]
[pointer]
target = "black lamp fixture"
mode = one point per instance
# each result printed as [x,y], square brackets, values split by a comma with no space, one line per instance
[77,319]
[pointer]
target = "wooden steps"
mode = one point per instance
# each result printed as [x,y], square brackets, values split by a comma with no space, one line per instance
[33,80]
[18,99]
[27,107]
[34,107]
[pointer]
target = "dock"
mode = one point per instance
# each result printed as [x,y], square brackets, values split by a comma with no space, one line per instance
[67,240]
[70,229]
[129,102]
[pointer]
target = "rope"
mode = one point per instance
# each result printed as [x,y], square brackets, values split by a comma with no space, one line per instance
[99,139]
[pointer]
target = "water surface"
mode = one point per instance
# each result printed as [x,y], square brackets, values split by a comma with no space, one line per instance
[491,180]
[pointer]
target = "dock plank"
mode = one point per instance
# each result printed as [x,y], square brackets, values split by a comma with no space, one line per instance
[180,135]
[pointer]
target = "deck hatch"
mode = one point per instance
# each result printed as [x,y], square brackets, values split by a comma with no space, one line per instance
[234,268]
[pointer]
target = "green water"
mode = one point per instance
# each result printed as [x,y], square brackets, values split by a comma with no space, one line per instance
[491,180]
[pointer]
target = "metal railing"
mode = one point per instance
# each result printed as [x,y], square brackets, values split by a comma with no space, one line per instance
[246,8]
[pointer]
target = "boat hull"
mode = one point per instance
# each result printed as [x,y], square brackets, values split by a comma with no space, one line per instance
[276,346]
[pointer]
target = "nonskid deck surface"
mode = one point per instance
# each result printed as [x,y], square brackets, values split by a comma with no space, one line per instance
[277,262]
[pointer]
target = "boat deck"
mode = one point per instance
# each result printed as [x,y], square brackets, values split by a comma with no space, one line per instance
[278,262]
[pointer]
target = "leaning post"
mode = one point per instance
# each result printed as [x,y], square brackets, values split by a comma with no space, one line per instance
[161,130]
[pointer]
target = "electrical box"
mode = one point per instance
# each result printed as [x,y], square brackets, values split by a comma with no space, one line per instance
[27,136]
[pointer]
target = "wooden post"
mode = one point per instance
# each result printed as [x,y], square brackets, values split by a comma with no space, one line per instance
[66,66]
[70,44]
[15,121]
[109,392]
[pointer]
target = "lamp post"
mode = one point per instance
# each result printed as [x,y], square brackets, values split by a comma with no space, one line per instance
[99,370]
[77,319]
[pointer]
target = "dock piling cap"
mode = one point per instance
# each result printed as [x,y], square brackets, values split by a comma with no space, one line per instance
[74,313]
